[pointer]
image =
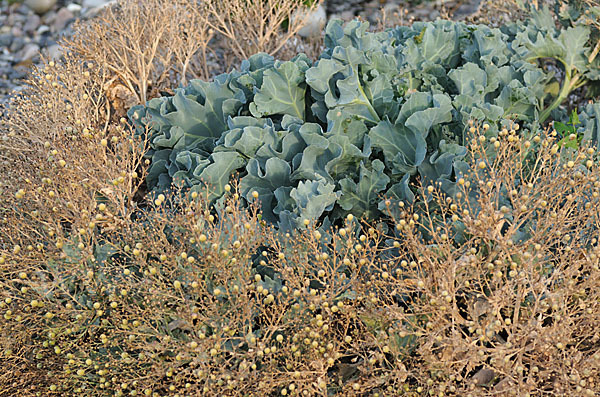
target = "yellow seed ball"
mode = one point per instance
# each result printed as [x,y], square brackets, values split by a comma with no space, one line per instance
[255,194]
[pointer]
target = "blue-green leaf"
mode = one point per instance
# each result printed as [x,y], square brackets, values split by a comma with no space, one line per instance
[282,92]
[361,198]
[313,198]
[217,174]
[276,174]
[403,149]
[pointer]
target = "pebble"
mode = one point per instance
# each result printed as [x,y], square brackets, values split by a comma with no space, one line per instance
[315,23]
[17,44]
[5,39]
[43,29]
[32,23]
[54,51]
[63,17]
[28,52]
[94,3]
[74,8]
[40,6]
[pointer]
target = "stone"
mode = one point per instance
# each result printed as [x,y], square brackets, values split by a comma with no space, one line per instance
[339,6]
[16,31]
[483,376]
[347,15]
[315,23]
[74,8]
[46,40]
[32,23]
[40,6]
[467,9]
[6,39]
[28,52]
[94,3]
[54,51]
[17,44]
[63,16]
[42,30]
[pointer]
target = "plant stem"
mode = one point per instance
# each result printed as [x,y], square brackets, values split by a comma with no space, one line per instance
[567,87]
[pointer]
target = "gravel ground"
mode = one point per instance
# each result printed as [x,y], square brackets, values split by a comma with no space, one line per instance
[25,34]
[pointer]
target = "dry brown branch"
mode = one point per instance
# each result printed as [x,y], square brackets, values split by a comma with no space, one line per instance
[183,298]
[252,26]
[151,44]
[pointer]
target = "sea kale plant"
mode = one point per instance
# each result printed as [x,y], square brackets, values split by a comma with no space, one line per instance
[373,114]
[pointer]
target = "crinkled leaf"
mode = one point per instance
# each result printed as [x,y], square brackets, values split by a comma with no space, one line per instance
[318,153]
[438,43]
[276,174]
[470,80]
[440,112]
[282,92]
[349,159]
[248,135]
[361,198]
[313,198]
[217,174]
[439,165]
[403,148]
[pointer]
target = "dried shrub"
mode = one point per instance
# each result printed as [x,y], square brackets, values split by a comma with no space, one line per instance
[60,157]
[513,308]
[250,27]
[494,292]
[146,46]
[57,137]
[152,46]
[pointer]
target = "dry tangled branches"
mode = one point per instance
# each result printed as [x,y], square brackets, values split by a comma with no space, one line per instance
[492,292]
